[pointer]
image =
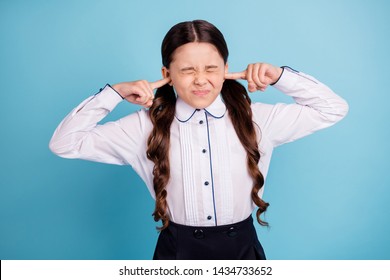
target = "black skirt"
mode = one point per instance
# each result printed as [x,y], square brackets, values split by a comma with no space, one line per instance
[228,242]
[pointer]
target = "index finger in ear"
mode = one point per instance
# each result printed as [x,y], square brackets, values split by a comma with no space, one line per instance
[159,83]
[236,76]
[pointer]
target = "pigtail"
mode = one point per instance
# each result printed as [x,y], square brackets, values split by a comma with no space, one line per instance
[161,114]
[238,104]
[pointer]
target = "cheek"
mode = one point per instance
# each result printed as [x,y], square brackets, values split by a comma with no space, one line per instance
[217,80]
[181,83]
[178,81]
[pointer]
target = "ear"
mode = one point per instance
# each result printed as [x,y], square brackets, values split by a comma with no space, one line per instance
[226,69]
[165,73]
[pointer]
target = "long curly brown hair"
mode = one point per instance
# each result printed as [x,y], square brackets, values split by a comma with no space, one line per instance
[162,113]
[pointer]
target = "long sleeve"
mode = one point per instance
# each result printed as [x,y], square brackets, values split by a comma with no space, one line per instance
[80,136]
[316,107]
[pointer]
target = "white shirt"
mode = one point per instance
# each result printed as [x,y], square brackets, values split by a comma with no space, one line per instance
[209,183]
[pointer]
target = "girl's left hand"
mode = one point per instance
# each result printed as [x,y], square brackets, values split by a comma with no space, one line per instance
[258,75]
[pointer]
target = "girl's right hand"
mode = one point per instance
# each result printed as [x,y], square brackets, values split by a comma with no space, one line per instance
[139,92]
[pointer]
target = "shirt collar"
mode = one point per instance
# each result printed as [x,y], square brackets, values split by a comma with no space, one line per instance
[184,112]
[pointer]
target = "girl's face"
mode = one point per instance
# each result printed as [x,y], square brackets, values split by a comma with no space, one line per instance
[197,72]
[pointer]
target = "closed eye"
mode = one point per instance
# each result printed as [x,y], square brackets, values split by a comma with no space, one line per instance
[187,70]
[192,70]
[211,68]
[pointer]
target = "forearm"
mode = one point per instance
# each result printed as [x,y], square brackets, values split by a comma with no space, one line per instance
[317,107]
[308,91]
[81,121]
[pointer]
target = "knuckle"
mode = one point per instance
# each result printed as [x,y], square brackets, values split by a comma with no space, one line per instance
[138,83]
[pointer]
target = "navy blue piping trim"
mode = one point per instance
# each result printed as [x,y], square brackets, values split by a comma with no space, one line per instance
[220,117]
[186,119]
[281,74]
[211,169]
[115,91]
[291,69]
[216,116]
[298,73]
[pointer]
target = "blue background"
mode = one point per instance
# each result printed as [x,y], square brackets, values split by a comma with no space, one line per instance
[329,192]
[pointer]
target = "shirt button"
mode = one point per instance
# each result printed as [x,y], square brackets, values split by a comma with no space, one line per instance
[206,183]
[204,151]
[209,217]
[200,122]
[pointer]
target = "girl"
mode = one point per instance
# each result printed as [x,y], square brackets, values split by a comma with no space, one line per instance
[202,148]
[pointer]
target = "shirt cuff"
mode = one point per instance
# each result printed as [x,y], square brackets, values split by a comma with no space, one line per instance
[287,79]
[109,97]
[115,91]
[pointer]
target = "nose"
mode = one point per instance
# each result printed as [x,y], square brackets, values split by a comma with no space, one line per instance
[200,79]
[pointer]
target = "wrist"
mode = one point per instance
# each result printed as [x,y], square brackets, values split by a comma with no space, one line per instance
[279,74]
